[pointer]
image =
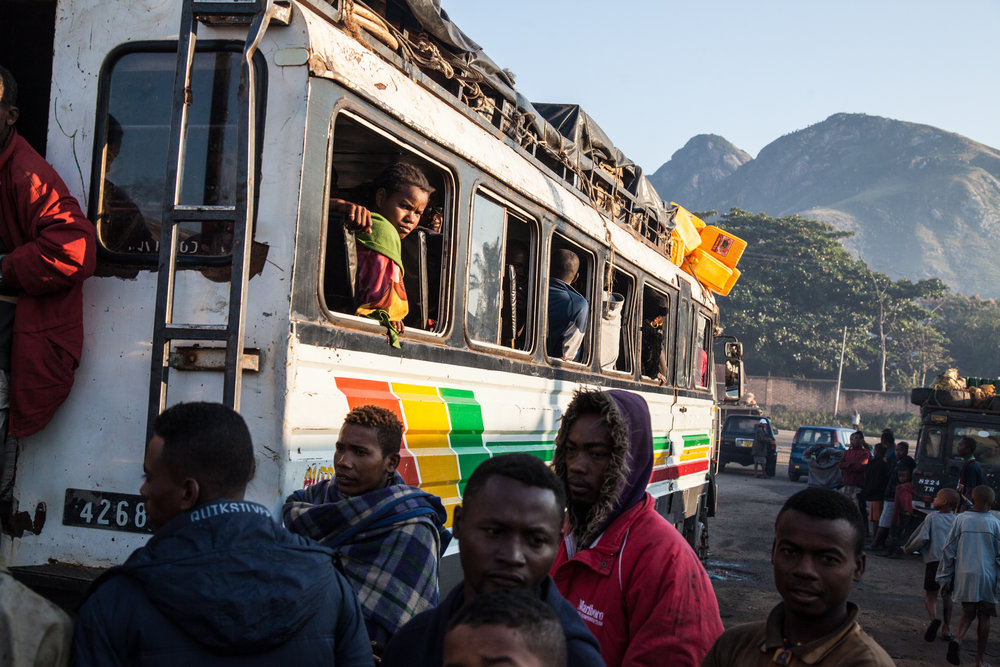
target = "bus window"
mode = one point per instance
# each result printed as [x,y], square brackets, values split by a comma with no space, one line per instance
[652,343]
[616,324]
[501,274]
[702,347]
[137,90]
[361,154]
[682,345]
[570,268]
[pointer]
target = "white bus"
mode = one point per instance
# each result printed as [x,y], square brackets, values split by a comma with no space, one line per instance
[312,100]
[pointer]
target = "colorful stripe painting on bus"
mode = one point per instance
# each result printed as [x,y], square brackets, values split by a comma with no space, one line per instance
[445,437]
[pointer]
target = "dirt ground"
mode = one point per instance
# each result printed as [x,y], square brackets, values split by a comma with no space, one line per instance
[890,593]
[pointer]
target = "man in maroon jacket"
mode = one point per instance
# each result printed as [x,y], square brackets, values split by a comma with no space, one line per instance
[47,249]
[852,468]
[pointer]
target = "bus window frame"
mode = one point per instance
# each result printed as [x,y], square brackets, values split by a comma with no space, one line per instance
[363,116]
[534,221]
[651,383]
[98,167]
[699,315]
[571,235]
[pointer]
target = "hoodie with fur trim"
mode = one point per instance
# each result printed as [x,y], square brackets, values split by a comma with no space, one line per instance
[630,575]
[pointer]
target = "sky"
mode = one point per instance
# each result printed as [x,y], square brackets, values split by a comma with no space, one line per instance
[654,74]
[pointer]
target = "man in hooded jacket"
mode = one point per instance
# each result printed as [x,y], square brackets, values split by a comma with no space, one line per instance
[627,571]
[220,583]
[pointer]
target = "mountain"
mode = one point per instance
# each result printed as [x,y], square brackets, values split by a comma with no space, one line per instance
[922,202]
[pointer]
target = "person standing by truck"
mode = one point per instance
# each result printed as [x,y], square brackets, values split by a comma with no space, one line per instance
[852,468]
[762,441]
[971,474]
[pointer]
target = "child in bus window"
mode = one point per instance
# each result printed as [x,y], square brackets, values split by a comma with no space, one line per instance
[401,194]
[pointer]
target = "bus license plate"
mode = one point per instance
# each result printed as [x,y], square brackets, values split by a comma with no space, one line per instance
[106,510]
[744,443]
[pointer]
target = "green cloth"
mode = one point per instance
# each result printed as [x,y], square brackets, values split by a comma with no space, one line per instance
[383,239]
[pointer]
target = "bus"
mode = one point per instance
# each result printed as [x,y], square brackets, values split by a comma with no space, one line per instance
[205,140]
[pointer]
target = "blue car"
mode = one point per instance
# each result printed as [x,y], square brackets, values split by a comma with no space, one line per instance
[806,437]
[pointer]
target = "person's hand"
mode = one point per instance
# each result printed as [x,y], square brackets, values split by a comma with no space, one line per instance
[359,218]
[398,326]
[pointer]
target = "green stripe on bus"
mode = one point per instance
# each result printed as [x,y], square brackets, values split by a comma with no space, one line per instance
[466,436]
[701,440]
[541,448]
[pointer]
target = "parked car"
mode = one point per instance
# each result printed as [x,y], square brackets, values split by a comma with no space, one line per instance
[806,437]
[737,442]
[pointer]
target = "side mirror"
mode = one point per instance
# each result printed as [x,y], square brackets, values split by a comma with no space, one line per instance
[734,378]
[734,350]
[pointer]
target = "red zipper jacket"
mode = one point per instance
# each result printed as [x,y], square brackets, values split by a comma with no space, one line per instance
[853,465]
[642,591]
[52,250]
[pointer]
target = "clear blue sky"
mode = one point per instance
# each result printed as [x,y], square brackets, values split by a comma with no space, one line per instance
[654,74]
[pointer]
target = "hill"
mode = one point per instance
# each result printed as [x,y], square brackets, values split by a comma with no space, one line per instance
[922,202]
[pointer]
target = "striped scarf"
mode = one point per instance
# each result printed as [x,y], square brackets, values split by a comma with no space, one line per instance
[388,542]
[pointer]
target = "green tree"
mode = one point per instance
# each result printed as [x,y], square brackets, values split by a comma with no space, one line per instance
[799,289]
[971,327]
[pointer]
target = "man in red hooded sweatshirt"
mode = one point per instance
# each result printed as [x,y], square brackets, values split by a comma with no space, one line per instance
[631,576]
[47,249]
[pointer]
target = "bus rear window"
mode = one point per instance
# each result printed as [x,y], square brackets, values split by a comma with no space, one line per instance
[129,172]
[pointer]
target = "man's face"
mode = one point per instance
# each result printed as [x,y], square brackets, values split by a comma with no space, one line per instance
[8,116]
[165,498]
[508,535]
[487,646]
[358,462]
[964,449]
[588,449]
[856,440]
[815,563]
[900,451]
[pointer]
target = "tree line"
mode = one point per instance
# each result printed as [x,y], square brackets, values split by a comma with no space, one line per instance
[800,288]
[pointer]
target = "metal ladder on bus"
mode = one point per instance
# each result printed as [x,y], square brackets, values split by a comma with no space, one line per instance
[257,14]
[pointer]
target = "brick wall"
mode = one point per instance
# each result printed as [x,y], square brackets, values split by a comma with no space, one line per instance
[820,394]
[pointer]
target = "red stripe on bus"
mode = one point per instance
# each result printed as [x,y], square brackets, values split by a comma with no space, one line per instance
[377,392]
[674,472]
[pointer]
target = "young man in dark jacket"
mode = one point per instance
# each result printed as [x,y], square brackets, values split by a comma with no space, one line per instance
[220,583]
[508,529]
[626,570]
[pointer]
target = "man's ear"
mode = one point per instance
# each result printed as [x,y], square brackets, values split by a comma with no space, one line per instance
[12,115]
[456,523]
[392,462]
[773,543]
[191,492]
[859,566]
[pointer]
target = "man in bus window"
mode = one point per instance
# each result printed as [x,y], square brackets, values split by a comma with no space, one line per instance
[628,572]
[654,358]
[219,582]
[971,474]
[508,529]
[389,536]
[568,309]
[47,249]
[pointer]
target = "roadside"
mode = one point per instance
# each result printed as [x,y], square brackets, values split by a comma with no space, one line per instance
[890,593]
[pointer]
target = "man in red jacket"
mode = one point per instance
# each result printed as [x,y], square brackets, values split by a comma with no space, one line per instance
[47,249]
[852,468]
[629,573]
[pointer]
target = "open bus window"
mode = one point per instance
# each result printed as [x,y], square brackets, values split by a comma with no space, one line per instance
[702,351]
[616,323]
[570,269]
[501,276]
[136,130]
[987,442]
[652,341]
[360,154]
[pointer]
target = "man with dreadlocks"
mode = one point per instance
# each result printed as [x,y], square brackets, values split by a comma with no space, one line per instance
[388,536]
[627,571]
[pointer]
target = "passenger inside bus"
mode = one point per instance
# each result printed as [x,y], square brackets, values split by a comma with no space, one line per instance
[401,194]
[654,315]
[568,309]
[121,225]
